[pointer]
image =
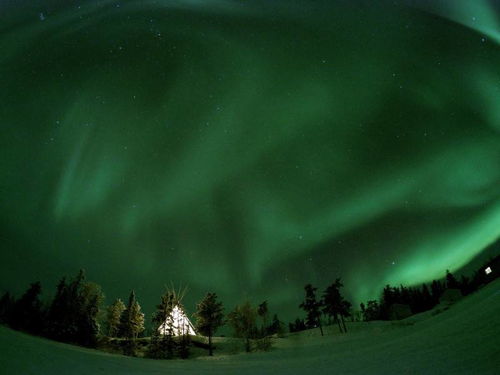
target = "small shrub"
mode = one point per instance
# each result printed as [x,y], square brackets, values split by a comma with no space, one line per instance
[264,344]
[183,349]
[161,348]
[233,346]
[104,341]
[129,348]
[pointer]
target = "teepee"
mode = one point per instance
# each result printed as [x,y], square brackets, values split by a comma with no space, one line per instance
[179,322]
[170,316]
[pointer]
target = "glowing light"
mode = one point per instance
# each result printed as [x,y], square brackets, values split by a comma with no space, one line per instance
[488,270]
[180,324]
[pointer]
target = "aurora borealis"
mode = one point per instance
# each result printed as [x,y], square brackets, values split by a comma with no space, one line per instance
[247,147]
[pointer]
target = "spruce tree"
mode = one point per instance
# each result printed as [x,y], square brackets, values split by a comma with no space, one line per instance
[437,289]
[27,311]
[91,298]
[405,295]
[73,313]
[427,302]
[332,302]
[276,327]
[312,307]
[125,327]
[371,311]
[297,325]
[58,314]
[335,305]
[132,319]
[131,324]
[345,311]
[114,313]
[300,324]
[184,342]
[209,317]
[137,320]
[415,300]
[162,343]
[465,285]
[387,300]
[184,346]
[451,281]
[6,305]
[73,309]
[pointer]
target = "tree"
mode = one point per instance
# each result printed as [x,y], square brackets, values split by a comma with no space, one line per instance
[27,311]
[114,313]
[6,305]
[58,314]
[363,311]
[478,278]
[415,300]
[387,300]
[162,342]
[91,297]
[465,285]
[371,311]
[312,307]
[451,282]
[437,290]
[297,326]
[131,323]
[427,301]
[184,344]
[262,311]
[242,320]
[276,326]
[209,317]
[137,319]
[335,305]
[345,311]
[72,309]
[73,313]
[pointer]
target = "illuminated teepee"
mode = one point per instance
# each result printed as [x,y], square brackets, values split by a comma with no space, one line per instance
[178,323]
[170,316]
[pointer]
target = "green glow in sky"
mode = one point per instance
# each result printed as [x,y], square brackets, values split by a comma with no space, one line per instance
[247,148]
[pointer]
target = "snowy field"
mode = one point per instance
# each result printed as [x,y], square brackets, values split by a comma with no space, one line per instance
[462,340]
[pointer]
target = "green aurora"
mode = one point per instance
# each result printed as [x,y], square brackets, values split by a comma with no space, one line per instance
[247,147]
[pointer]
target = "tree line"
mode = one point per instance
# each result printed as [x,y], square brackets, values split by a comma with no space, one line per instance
[334,309]
[71,316]
[420,299]
[76,315]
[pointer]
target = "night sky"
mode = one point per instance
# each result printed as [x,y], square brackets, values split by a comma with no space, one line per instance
[247,147]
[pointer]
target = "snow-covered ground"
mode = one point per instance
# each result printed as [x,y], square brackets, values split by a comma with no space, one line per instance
[462,340]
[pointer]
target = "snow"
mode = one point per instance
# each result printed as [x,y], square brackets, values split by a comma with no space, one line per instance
[464,339]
